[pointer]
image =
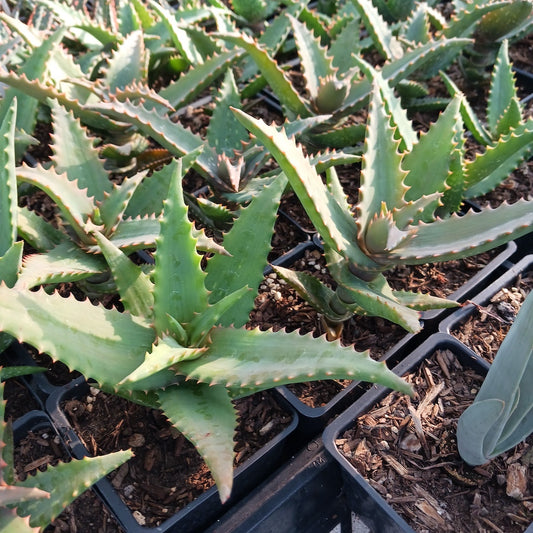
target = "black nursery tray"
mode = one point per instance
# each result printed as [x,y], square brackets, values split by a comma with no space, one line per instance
[205,509]
[372,505]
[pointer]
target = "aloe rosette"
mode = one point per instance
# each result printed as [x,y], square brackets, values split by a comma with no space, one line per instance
[180,345]
[411,188]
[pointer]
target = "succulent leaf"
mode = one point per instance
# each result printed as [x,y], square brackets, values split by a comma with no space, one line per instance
[115,203]
[316,63]
[205,415]
[241,358]
[428,163]
[335,226]
[74,203]
[149,195]
[33,69]
[494,165]
[133,285]
[177,139]
[463,236]
[312,290]
[225,133]
[10,264]
[245,265]
[503,110]
[478,130]
[165,354]
[128,64]
[179,36]
[382,177]
[179,280]
[186,88]
[38,233]
[75,155]
[501,415]
[63,263]
[373,298]
[49,323]
[8,181]
[65,482]
[291,101]
[384,40]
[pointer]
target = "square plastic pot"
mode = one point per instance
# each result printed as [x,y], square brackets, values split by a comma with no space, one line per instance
[372,503]
[205,509]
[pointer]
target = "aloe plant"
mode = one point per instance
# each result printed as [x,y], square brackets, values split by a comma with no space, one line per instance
[31,504]
[504,111]
[501,415]
[77,81]
[86,199]
[334,83]
[180,345]
[489,23]
[410,191]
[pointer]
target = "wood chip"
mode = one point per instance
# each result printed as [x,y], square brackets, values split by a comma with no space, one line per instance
[516,481]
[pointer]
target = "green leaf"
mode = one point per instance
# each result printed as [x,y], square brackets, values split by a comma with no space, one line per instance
[65,262]
[189,86]
[205,415]
[371,298]
[76,156]
[201,324]
[150,194]
[128,64]
[179,280]
[8,181]
[179,36]
[428,163]
[291,101]
[503,110]
[248,242]
[384,40]
[382,177]
[225,133]
[463,236]
[313,291]
[171,135]
[477,129]
[315,61]
[52,324]
[114,205]
[37,232]
[133,285]
[73,202]
[65,482]
[10,264]
[133,234]
[265,359]
[34,68]
[165,354]
[492,167]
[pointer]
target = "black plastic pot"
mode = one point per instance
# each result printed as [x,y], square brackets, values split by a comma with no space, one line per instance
[366,402]
[309,494]
[438,341]
[205,509]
